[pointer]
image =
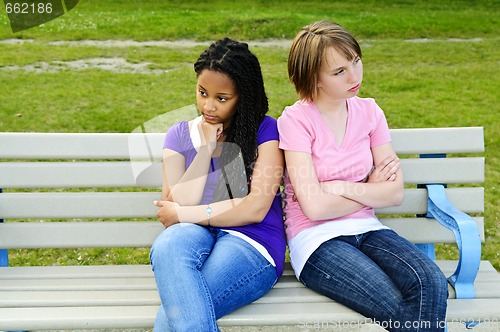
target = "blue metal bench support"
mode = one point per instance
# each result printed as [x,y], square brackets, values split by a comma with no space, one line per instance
[467,236]
[4,258]
[4,253]
[428,248]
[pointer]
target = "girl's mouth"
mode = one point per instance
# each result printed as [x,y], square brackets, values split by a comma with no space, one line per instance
[209,117]
[354,88]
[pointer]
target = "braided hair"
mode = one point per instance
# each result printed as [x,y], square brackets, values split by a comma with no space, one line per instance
[235,60]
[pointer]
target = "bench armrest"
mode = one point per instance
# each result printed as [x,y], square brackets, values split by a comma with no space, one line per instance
[467,237]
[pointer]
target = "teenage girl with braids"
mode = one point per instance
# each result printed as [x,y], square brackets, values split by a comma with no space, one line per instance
[332,140]
[224,243]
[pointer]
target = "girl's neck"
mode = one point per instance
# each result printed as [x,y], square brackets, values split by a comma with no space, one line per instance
[332,107]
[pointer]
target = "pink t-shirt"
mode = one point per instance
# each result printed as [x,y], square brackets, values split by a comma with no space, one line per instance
[302,128]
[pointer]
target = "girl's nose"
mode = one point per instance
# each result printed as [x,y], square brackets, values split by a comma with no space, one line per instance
[353,76]
[209,105]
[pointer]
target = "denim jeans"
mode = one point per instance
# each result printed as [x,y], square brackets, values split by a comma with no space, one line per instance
[203,274]
[383,277]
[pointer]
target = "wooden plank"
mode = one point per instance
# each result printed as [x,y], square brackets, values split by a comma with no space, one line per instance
[148,174]
[123,145]
[62,205]
[443,170]
[97,278]
[257,314]
[294,293]
[142,234]
[79,234]
[106,317]
[467,200]
[76,271]
[484,310]
[424,230]
[81,146]
[80,174]
[78,284]
[438,140]
[84,298]
[144,271]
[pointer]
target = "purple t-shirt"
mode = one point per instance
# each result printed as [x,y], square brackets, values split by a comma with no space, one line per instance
[270,232]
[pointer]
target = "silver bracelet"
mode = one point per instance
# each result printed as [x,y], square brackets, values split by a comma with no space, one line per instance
[209,211]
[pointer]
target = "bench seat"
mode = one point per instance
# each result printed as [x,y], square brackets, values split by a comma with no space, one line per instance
[96,191]
[125,296]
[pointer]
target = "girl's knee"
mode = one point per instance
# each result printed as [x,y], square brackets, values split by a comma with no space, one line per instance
[435,282]
[441,284]
[175,239]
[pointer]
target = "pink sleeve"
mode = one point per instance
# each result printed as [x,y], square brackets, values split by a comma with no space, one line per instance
[294,130]
[380,134]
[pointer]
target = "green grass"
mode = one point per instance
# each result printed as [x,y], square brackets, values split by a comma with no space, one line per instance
[438,83]
[251,19]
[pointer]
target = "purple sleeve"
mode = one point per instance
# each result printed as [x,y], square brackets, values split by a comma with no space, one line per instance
[175,137]
[268,131]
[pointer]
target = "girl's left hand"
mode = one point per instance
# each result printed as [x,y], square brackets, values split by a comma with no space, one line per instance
[167,213]
[386,171]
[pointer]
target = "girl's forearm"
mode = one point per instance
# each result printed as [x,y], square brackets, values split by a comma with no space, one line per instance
[228,213]
[189,189]
[376,195]
[326,203]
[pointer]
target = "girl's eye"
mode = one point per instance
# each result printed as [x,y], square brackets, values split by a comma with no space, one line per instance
[338,72]
[358,59]
[222,99]
[202,93]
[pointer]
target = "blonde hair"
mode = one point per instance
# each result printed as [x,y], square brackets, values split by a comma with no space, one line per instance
[308,50]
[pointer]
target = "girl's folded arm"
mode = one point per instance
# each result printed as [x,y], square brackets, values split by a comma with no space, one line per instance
[315,203]
[266,179]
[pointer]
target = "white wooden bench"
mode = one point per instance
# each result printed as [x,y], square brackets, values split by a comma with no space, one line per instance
[42,174]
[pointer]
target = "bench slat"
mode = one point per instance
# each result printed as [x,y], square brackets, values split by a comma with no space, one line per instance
[17,235]
[148,174]
[140,204]
[256,314]
[144,271]
[80,174]
[79,234]
[297,314]
[438,140]
[64,280]
[80,294]
[76,271]
[63,205]
[79,284]
[103,317]
[468,200]
[443,170]
[81,145]
[123,145]
[424,230]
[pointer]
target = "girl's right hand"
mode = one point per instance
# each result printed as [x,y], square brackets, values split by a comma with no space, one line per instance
[385,171]
[210,133]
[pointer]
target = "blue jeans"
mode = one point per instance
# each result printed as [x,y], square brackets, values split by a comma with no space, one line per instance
[203,274]
[383,277]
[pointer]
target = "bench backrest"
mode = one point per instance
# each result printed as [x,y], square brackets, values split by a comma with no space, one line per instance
[111,180]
